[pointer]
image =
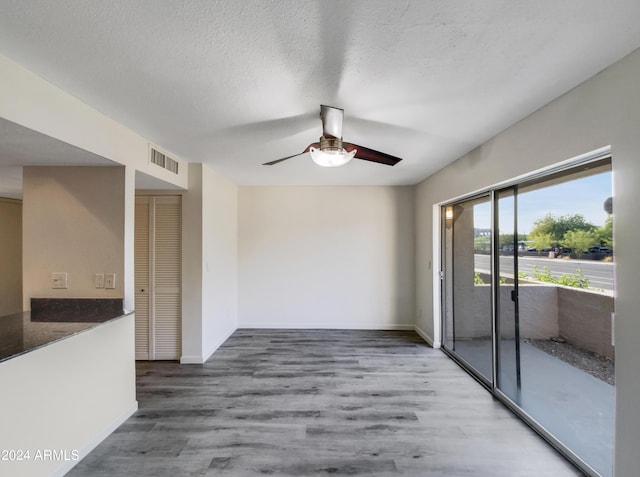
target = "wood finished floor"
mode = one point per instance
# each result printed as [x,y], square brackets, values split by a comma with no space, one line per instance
[318,402]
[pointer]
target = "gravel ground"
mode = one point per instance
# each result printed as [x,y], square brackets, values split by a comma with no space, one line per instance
[595,365]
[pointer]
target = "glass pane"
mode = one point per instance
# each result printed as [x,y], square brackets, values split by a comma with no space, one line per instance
[467,295]
[509,371]
[557,336]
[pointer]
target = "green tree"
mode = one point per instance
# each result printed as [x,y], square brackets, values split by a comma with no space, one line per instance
[605,233]
[579,240]
[507,239]
[541,241]
[559,226]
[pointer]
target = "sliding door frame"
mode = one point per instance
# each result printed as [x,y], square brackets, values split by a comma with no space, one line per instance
[599,155]
[450,351]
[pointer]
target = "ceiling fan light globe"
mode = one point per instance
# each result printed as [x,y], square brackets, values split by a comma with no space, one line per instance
[331,158]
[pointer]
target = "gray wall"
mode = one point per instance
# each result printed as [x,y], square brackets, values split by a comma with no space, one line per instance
[585,320]
[581,317]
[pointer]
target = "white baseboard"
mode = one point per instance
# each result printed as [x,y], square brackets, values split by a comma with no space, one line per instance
[324,326]
[425,336]
[93,443]
[205,356]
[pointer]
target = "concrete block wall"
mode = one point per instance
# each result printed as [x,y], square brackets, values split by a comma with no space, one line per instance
[581,317]
[584,318]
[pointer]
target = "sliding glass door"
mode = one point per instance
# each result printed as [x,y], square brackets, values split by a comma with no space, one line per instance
[467,306]
[508,344]
[528,299]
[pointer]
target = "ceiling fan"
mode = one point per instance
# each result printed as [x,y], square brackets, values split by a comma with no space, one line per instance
[331,151]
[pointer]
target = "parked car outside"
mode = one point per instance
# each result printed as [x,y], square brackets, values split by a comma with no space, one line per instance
[600,249]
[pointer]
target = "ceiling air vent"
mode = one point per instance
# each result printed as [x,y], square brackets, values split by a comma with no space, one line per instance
[161,159]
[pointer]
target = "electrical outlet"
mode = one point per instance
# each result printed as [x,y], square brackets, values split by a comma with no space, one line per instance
[99,280]
[59,280]
[110,280]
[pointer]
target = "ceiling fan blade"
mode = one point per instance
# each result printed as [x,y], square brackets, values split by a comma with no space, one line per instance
[272,163]
[367,154]
[331,121]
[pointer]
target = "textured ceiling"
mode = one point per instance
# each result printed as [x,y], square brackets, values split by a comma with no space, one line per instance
[236,83]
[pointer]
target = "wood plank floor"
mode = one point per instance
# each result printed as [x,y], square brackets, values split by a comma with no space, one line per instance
[319,402]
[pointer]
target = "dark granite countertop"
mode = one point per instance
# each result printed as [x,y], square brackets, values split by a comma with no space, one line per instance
[75,310]
[26,331]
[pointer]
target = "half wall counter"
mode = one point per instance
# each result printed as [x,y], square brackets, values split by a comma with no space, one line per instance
[67,370]
[53,319]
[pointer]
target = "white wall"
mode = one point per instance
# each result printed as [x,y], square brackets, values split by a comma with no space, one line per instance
[10,256]
[220,260]
[603,111]
[73,221]
[67,396]
[210,264]
[326,257]
[192,239]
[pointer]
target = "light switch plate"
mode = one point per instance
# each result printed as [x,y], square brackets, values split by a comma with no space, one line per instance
[99,280]
[59,280]
[110,280]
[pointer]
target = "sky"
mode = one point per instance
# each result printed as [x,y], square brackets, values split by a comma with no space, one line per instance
[584,196]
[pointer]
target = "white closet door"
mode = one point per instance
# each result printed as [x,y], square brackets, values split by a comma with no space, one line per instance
[167,278]
[142,276]
[158,299]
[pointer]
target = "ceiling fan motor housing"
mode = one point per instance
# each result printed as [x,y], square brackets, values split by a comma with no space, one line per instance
[330,143]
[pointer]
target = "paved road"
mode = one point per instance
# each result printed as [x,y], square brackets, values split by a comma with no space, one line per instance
[600,274]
